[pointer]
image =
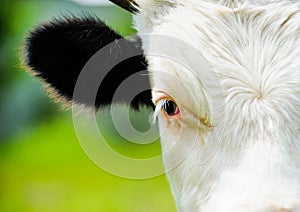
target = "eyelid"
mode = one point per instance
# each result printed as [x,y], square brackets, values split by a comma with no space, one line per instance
[160,95]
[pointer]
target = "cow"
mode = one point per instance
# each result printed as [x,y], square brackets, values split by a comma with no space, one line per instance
[230,91]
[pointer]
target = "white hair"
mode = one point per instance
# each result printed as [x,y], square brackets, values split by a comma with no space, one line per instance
[254,48]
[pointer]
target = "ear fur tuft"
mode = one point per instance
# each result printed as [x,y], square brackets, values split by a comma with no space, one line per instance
[58,50]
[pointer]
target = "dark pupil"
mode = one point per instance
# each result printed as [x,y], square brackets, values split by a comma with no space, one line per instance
[170,107]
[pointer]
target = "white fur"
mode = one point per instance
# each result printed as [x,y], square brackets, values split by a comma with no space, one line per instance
[257,59]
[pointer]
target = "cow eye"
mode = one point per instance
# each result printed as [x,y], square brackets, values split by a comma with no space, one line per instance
[170,108]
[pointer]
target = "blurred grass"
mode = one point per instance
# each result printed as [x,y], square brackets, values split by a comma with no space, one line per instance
[45,169]
[42,166]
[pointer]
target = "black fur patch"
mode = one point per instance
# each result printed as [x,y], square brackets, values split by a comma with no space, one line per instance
[57,51]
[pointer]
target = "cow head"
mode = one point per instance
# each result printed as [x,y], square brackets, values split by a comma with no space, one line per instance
[240,55]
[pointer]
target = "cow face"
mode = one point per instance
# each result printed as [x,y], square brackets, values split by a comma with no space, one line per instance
[225,84]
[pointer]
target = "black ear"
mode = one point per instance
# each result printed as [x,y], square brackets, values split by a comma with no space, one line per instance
[57,52]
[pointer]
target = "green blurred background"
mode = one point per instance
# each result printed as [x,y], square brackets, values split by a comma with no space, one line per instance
[42,166]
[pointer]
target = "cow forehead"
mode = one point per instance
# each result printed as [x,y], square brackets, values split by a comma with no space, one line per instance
[254,49]
[239,36]
[234,36]
[151,11]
